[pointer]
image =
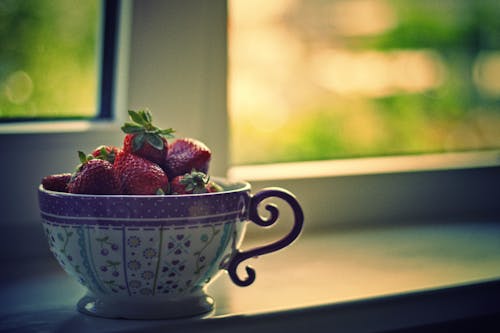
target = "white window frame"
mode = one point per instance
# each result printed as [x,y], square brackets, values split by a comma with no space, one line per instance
[173,60]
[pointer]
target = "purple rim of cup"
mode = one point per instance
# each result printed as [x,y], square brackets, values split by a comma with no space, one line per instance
[144,210]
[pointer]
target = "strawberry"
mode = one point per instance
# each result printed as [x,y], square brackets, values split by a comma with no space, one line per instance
[185,155]
[107,153]
[144,139]
[94,176]
[189,183]
[58,183]
[138,175]
[193,183]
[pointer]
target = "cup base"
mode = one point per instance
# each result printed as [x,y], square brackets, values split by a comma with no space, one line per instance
[198,305]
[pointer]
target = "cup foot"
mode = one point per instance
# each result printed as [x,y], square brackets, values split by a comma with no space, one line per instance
[198,305]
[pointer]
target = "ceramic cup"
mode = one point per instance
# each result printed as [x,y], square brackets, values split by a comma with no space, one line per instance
[147,257]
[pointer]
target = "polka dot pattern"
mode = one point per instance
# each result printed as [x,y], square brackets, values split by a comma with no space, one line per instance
[143,210]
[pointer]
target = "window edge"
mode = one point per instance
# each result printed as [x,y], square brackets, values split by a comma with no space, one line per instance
[366,166]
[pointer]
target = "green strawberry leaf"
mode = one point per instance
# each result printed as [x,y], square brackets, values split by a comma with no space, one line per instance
[131,128]
[82,156]
[141,122]
[189,187]
[103,152]
[195,182]
[136,117]
[138,141]
[147,116]
[167,133]
[199,190]
[155,141]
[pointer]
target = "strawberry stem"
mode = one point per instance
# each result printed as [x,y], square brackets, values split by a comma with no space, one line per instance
[142,127]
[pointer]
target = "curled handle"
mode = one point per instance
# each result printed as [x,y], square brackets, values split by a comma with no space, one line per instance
[255,217]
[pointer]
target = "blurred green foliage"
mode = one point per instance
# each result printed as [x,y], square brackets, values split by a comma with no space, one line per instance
[453,116]
[48,58]
[444,25]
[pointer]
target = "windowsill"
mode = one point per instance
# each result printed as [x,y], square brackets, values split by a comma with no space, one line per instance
[358,280]
[62,126]
[366,166]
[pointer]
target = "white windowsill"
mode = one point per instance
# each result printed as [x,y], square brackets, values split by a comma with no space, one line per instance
[62,126]
[364,166]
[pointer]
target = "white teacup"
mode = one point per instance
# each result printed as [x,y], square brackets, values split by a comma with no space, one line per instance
[147,256]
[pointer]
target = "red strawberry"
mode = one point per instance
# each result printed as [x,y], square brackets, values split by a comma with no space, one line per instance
[185,155]
[94,176]
[189,183]
[107,153]
[58,183]
[193,183]
[147,151]
[144,139]
[138,175]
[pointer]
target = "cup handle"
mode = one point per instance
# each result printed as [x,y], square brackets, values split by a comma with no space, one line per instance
[254,216]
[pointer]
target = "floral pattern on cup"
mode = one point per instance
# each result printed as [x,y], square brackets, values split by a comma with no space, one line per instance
[141,261]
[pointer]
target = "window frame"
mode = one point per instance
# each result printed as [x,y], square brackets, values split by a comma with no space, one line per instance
[109,26]
[109,49]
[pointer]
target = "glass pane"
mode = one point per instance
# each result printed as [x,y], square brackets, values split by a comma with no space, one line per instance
[48,58]
[327,79]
